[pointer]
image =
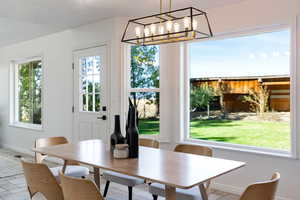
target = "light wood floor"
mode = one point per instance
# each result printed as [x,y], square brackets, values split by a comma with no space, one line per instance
[13,187]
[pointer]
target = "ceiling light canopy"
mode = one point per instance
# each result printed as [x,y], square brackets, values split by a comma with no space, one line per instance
[168,27]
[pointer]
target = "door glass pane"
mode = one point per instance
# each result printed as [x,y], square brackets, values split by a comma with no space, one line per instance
[97,83]
[90,103]
[97,102]
[84,105]
[83,81]
[90,83]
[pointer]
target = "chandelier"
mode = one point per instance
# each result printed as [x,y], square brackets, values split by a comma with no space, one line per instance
[168,27]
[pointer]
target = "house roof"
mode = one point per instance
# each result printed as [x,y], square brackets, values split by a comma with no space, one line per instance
[240,78]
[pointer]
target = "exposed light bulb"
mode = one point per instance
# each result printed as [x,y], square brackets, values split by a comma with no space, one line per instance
[153,29]
[195,24]
[147,31]
[169,26]
[176,27]
[186,22]
[138,31]
[161,30]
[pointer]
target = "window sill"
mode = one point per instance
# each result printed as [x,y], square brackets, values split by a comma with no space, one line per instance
[27,126]
[242,148]
[156,136]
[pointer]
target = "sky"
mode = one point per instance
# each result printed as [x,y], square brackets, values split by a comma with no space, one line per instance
[256,55]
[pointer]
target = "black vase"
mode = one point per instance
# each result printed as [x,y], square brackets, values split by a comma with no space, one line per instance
[132,134]
[131,107]
[128,119]
[116,137]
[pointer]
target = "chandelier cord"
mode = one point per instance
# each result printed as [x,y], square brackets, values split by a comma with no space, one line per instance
[161,5]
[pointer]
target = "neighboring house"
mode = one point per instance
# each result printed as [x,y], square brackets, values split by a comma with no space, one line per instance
[230,91]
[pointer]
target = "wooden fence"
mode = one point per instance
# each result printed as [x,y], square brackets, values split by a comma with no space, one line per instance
[230,91]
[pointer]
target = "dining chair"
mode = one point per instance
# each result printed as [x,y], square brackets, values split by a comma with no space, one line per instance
[157,189]
[262,190]
[39,179]
[79,189]
[72,169]
[126,180]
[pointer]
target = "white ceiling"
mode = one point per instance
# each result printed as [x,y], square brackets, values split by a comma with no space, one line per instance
[26,19]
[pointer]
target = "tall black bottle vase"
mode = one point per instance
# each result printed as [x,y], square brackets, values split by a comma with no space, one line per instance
[132,133]
[116,137]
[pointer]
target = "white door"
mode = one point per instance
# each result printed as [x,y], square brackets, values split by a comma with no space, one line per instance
[90,94]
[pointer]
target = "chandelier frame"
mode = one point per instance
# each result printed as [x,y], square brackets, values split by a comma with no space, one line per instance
[189,33]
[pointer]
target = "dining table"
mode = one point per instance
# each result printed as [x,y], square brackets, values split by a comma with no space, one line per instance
[173,169]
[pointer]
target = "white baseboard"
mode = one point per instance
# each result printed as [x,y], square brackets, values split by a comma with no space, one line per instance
[236,190]
[30,153]
[18,149]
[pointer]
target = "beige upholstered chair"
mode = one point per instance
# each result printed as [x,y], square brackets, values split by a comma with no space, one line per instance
[157,189]
[123,179]
[73,168]
[262,190]
[40,179]
[79,189]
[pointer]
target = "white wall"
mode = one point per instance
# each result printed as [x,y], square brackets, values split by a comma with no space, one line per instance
[56,50]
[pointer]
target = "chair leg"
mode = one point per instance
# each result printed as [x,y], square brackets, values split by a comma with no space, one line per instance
[155,197]
[106,188]
[129,193]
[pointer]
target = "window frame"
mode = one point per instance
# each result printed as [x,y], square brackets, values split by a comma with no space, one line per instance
[14,95]
[292,26]
[128,89]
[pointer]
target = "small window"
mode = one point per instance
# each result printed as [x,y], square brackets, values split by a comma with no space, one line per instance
[28,93]
[240,91]
[144,87]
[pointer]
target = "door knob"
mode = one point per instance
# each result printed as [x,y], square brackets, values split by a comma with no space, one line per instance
[103,117]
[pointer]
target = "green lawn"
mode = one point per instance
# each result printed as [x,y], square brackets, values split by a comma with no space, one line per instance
[261,134]
[149,126]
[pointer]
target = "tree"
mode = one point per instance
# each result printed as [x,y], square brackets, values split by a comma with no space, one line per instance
[144,73]
[258,100]
[29,83]
[201,96]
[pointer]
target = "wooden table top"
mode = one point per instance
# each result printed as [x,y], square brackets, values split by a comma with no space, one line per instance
[178,170]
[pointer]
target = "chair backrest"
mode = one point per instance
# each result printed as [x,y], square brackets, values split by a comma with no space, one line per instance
[194,149]
[197,150]
[149,143]
[79,189]
[46,142]
[40,179]
[262,190]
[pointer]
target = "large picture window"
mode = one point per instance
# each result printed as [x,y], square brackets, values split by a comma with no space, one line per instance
[240,90]
[144,87]
[28,93]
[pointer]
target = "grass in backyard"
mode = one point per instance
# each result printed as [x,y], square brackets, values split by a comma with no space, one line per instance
[274,135]
[149,126]
[267,134]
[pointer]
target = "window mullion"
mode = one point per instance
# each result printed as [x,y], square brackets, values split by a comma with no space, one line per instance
[31,90]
